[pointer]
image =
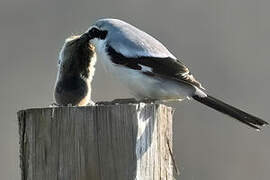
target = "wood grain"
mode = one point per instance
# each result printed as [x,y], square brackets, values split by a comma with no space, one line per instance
[104,142]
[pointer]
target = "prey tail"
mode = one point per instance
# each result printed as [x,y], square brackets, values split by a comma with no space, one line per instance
[238,114]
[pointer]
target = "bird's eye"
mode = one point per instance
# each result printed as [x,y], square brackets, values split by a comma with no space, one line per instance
[103,34]
[96,33]
[94,30]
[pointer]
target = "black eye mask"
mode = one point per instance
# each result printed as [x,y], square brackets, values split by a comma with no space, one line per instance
[96,33]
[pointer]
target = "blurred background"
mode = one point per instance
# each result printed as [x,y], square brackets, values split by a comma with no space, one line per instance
[225,43]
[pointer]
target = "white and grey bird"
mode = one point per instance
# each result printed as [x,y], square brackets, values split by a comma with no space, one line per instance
[150,70]
[76,69]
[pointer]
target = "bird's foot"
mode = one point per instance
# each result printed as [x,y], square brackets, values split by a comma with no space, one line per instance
[127,101]
[117,101]
[124,101]
[148,100]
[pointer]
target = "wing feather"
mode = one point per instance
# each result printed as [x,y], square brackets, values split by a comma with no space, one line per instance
[161,66]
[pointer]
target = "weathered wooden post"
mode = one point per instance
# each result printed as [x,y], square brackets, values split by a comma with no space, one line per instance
[103,142]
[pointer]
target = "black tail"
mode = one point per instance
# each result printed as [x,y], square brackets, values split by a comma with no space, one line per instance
[238,114]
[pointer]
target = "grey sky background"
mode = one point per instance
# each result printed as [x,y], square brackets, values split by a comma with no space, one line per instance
[225,43]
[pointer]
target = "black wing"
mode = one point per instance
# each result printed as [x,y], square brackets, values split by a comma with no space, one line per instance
[166,67]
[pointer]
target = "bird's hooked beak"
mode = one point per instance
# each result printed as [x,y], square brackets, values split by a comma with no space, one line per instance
[85,36]
[88,34]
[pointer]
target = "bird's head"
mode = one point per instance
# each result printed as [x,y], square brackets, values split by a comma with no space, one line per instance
[110,31]
[125,38]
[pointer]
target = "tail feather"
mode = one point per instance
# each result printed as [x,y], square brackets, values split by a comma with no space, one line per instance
[238,114]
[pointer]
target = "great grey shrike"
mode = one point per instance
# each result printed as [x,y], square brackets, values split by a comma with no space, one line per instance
[150,70]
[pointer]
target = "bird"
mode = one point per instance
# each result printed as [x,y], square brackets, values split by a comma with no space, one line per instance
[76,68]
[150,71]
